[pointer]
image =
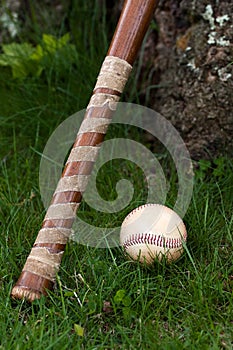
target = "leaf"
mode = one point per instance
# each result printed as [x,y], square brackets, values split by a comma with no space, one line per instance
[79,330]
[4,60]
[127,313]
[64,40]
[52,44]
[15,52]
[19,70]
[17,56]
[38,53]
[24,59]
[49,43]
[126,301]
[119,296]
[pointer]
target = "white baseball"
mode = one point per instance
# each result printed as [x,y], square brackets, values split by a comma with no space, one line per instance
[152,231]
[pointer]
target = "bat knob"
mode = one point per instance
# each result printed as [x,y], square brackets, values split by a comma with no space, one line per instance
[31,287]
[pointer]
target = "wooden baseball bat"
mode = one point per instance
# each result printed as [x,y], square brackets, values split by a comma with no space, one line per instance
[42,264]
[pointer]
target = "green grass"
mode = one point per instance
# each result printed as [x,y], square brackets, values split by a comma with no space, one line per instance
[186,305]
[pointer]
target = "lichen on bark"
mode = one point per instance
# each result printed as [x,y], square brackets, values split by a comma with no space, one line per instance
[193,64]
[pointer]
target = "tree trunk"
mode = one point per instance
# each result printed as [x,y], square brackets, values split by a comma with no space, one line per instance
[194,63]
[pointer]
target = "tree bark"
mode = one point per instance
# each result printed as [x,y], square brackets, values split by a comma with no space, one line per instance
[194,69]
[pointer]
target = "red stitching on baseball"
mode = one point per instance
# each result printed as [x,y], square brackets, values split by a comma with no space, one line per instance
[158,240]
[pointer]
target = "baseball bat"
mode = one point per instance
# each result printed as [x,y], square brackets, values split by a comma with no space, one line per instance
[39,272]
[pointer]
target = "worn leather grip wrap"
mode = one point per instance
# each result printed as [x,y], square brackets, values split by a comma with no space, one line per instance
[41,267]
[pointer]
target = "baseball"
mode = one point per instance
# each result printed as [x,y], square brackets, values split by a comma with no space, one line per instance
[153,231]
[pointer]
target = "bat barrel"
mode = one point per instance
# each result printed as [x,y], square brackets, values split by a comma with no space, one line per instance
[42,265]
